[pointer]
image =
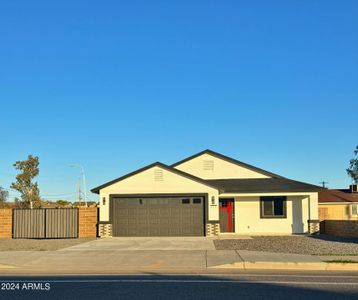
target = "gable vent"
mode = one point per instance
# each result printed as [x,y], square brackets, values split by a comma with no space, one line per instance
[208,165]
[158,175]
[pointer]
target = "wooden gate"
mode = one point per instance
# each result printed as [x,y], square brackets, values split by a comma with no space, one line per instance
[45,223]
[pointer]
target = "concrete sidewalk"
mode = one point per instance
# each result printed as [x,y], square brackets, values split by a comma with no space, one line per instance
[139,261]
[146,243]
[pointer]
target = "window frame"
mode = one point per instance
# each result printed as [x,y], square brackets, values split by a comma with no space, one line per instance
[197,200]
[273,216]
[185,201]
[356,214]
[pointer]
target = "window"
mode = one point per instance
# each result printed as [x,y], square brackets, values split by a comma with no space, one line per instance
[273,207]
[185,201]
[196,200]
[355,209]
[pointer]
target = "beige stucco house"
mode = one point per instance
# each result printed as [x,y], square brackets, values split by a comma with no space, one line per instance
[203,195]
[337,205]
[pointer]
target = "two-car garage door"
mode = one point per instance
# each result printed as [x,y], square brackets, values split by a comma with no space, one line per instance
[157,216]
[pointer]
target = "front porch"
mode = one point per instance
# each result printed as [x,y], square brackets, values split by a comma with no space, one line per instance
[268,214]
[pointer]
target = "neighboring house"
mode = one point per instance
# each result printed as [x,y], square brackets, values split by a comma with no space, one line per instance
[337,205]
[204,195]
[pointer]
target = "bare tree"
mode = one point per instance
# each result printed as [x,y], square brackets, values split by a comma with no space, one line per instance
[4,194]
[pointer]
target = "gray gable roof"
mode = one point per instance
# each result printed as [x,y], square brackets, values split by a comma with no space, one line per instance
[228,159]
[262,185]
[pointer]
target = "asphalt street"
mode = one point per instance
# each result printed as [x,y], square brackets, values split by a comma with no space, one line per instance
[244,285]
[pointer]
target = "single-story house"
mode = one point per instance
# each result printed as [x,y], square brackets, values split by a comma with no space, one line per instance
[204,195]
[337,205]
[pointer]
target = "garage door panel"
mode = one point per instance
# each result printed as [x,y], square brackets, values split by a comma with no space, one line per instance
[149,216]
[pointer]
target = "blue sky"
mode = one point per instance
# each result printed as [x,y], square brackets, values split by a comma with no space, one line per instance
[116,85]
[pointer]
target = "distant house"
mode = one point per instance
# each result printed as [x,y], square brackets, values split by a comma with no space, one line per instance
[338,204]
[203,195]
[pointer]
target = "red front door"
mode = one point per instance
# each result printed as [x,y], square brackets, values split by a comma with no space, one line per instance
[226,215]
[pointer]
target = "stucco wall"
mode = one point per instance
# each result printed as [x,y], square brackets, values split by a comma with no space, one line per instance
[248,221]
[145,183]
[336,212]
[222,169]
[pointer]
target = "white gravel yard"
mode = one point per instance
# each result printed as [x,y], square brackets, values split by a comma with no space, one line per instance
[317,245]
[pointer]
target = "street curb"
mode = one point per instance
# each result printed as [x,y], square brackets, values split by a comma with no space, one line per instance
[289,266]
[273,266]
[342,267]
[285,266]
[237,265]
[3,266]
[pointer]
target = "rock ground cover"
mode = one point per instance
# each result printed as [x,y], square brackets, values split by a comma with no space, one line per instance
[316,245]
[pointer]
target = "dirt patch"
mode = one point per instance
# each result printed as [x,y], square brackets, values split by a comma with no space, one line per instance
[39,245]
[293,244]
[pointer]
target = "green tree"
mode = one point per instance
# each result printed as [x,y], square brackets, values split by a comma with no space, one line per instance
[63,202]
[3,196]
[29,191]
[353,167]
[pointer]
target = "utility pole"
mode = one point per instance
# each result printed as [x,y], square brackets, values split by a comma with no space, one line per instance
[79,192]
[83,179]
[323,183]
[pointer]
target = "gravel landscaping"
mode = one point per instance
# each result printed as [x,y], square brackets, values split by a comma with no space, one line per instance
[39,245]
[318,245]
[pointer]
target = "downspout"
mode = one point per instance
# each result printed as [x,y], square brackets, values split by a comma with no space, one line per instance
[309,210]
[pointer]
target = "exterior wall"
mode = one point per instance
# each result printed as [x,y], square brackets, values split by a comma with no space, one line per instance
[6,223]
[87,222]
[105,230]
[145,183]
[212,229]
[333,211]
[341,228]
[222,169]
[248,221]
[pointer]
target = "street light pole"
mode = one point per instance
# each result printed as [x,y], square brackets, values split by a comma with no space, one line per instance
[83,179]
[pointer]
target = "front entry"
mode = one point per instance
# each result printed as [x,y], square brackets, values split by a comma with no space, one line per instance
[226,215]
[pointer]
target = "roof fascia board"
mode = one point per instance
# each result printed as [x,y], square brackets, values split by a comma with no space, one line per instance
[336,202]
[256,194]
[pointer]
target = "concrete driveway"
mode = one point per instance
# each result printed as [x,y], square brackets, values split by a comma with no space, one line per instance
[146,243]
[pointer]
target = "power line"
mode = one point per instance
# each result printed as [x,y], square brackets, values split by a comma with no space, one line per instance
[64,194]
[13,192]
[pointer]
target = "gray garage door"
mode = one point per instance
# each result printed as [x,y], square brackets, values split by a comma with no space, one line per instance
[169,216]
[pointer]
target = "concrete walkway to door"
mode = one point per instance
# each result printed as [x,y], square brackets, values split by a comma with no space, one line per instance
[146,243]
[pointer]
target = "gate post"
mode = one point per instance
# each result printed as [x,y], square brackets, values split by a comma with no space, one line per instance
[87,222]
[6,223]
